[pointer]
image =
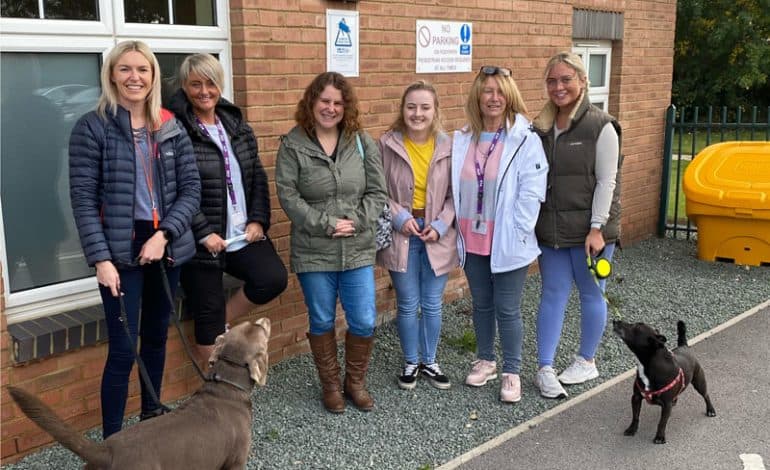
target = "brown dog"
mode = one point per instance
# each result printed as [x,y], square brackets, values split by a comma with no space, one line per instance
[211,430]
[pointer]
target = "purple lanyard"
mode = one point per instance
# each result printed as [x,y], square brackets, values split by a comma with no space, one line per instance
[225,156]
[480,173]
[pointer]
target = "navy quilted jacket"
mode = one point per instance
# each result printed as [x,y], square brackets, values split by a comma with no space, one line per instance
[102,165]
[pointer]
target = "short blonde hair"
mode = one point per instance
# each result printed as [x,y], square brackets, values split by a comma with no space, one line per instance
[400,125]
[205,65]
[108,101]
[514,103]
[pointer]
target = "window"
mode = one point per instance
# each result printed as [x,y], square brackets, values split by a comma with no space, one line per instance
[596,57]
[50,9]
[185,12]
[43,94]
[49,74]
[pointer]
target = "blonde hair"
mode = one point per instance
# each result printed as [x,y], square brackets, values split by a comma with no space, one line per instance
[514,103]
[400,125]
[108,101]
[205,65]
[544,120]
[570,59]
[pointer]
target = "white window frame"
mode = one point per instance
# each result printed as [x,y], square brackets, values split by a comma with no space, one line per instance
[138,30]
[61,27]
[98,37]
[585,49]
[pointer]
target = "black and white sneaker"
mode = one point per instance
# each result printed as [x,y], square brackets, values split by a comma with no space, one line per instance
[408,378]
[435,376]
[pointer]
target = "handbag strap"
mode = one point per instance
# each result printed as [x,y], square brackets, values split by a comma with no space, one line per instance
[360,147]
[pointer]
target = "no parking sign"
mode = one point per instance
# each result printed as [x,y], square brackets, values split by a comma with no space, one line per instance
[443,47]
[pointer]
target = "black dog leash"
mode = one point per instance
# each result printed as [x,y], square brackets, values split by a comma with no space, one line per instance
[188,350]
[213,377]
[139,362]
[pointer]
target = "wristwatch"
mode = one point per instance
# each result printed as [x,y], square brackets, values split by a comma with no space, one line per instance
[166,235]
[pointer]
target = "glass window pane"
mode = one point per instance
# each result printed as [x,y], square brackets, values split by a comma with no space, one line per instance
[71,10]
[146,11]
[195,12]
[19,9]
[43,94]
[597,67]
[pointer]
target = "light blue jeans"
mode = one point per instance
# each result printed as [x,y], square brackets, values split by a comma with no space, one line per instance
[496,305]
[558,268]
[419,288]
[355,289]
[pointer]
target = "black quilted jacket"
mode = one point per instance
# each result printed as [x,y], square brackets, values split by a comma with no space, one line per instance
[212,216]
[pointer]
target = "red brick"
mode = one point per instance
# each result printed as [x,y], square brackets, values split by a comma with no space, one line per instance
[8,449]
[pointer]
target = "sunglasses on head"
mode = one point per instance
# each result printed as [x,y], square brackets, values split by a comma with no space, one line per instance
[494,70]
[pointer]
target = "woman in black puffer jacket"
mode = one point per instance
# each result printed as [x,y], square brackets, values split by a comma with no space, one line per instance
[231,226]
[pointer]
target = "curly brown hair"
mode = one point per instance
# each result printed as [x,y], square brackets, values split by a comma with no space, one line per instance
[304,116]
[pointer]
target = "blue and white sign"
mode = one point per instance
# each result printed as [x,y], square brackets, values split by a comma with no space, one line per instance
[443,46]
[342,42]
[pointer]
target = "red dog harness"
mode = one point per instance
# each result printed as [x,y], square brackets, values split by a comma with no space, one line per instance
[649,395]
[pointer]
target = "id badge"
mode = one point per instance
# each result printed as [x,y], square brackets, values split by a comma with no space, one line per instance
[480,228]
[238,219]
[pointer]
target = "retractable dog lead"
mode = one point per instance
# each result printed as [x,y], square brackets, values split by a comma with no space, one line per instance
[601,268]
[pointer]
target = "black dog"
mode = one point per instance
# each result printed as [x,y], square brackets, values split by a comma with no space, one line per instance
[661,374]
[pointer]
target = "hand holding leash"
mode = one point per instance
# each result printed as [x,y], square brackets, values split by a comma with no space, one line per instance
[107,276]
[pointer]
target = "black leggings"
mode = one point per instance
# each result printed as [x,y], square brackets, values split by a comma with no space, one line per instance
[257,264]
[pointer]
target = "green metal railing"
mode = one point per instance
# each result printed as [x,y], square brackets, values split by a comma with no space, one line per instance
[688,131]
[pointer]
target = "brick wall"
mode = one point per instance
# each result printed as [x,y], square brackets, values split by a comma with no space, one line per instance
[277,47]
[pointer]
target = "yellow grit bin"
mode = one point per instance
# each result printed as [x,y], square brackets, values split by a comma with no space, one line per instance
[727,191]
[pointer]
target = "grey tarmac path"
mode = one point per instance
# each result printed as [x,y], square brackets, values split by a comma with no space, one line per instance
[587,432]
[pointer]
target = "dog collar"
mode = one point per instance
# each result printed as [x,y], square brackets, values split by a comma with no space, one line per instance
[215,377]
[649,395]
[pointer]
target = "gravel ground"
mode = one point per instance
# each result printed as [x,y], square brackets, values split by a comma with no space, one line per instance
[656,281]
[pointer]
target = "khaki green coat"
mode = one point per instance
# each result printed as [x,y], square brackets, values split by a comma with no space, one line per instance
[315,191]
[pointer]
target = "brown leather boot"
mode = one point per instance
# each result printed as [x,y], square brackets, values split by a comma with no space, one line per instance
[358,350]
[324,348]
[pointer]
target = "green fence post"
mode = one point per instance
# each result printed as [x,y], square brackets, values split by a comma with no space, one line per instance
[668,143]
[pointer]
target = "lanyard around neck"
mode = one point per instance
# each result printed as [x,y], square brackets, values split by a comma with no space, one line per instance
[146,161]
[225,156]
[480,173]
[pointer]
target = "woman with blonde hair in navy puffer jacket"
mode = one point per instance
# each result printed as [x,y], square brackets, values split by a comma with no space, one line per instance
[134,188]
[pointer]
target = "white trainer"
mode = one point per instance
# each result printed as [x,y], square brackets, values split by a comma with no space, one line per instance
[578,372]
[548,384]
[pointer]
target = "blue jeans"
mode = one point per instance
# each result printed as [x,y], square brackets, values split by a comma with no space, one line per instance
[419,287]
[355,288]
[558,268]
[496,304]
[142,287]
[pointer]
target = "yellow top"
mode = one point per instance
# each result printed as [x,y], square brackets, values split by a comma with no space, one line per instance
[420,156]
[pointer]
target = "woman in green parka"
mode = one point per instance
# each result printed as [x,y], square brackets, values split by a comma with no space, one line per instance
[330,183]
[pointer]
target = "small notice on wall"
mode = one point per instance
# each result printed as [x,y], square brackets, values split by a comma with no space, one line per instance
[443,47]
[342,42]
